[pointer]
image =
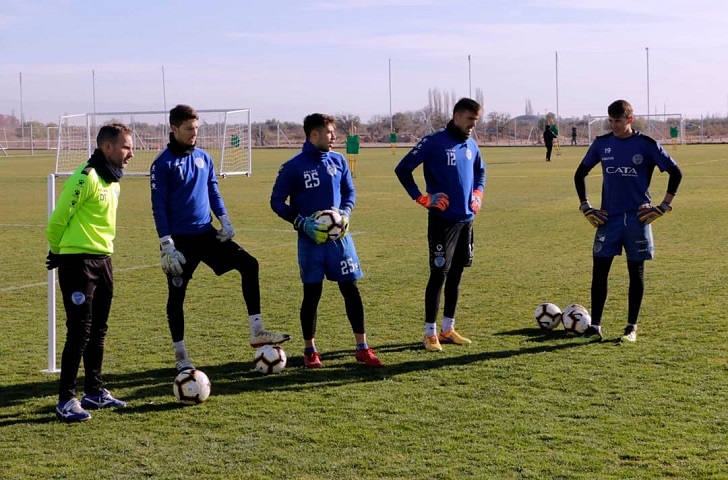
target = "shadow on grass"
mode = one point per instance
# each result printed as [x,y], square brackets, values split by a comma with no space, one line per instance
[145,387]
[536,335]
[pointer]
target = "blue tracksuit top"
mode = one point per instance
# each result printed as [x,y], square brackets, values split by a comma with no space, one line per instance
[184,190]
[312,180]
[450,166]
[627,167]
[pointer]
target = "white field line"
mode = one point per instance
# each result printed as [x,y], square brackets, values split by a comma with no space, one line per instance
[156,265]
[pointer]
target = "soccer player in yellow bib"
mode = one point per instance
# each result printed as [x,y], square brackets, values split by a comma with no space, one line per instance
[352,150]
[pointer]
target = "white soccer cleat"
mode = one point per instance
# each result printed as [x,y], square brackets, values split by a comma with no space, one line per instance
[264,337]
[630,334]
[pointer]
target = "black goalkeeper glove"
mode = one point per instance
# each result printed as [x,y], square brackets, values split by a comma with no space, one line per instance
[595,216]
[52,260]
[649,214]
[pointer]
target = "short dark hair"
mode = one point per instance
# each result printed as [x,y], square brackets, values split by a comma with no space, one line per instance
[111,132]
[181,113]
[619,109]
[467,104]
[316,121]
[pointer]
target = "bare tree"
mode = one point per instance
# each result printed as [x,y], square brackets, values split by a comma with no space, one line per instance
[345,122]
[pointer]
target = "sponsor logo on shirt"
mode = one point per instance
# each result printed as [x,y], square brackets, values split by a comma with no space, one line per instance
[623,171]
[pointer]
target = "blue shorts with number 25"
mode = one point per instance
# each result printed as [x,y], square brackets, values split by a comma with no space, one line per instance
[336,260]
[624,230]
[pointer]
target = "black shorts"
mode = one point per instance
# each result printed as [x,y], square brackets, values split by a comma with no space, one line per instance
[450,243]
[221,257]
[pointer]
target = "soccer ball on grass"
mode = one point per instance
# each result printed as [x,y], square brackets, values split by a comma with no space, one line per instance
[547,316]
[191,387]
[331,222]
[270,359]
[576,320]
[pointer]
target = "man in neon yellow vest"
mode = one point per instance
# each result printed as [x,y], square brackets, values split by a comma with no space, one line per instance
[81,233]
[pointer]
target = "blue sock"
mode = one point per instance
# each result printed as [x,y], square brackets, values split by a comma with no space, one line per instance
[362,346]
[309,350]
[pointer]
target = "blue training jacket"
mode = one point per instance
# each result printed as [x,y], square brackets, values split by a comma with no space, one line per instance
[184,190]
[312,180]
[450,166]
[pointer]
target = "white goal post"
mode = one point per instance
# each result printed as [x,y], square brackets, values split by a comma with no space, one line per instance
[224,134]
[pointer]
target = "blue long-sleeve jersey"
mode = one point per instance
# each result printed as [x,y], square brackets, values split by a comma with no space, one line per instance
[184,190]
[312,180]
[627,168]
[450,166]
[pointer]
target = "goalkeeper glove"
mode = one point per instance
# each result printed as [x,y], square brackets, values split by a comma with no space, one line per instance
[345,214]
[439,201]
[310,227]
[172,259]
[596,217]
[476,201]
[649,213]
[227,232]
[53,260]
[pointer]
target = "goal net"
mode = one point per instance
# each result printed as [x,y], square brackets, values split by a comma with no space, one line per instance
[665,128]
[224,134]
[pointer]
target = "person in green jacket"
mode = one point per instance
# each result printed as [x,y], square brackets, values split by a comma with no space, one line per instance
[81,233]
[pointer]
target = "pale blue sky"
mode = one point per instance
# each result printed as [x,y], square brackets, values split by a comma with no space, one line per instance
[285,58]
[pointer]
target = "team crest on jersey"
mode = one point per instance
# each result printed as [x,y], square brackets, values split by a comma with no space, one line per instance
[331,169]
[78,298]
[468,154]
[199,162]
[637,159]
[177,281]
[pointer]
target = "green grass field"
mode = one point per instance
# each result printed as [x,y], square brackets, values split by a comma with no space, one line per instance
[516,404]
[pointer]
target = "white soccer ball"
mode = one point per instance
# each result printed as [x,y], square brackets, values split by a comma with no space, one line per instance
[270,359]
[331,221]
[576,320]
[547,316]
[191,387]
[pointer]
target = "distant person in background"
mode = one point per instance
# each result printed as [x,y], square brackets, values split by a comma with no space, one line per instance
[623,221]
[555,128]
[548,140]
[184,192]
[319,179]
[454,182]
[81,232]
[573,135]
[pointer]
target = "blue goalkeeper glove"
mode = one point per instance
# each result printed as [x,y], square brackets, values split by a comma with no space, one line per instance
[172,259]
[596,217]
[310,227]
[439,201]
[649,213]
[226,232]
[345,214]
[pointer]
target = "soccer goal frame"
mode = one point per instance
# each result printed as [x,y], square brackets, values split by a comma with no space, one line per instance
[656,126]
[224,133]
